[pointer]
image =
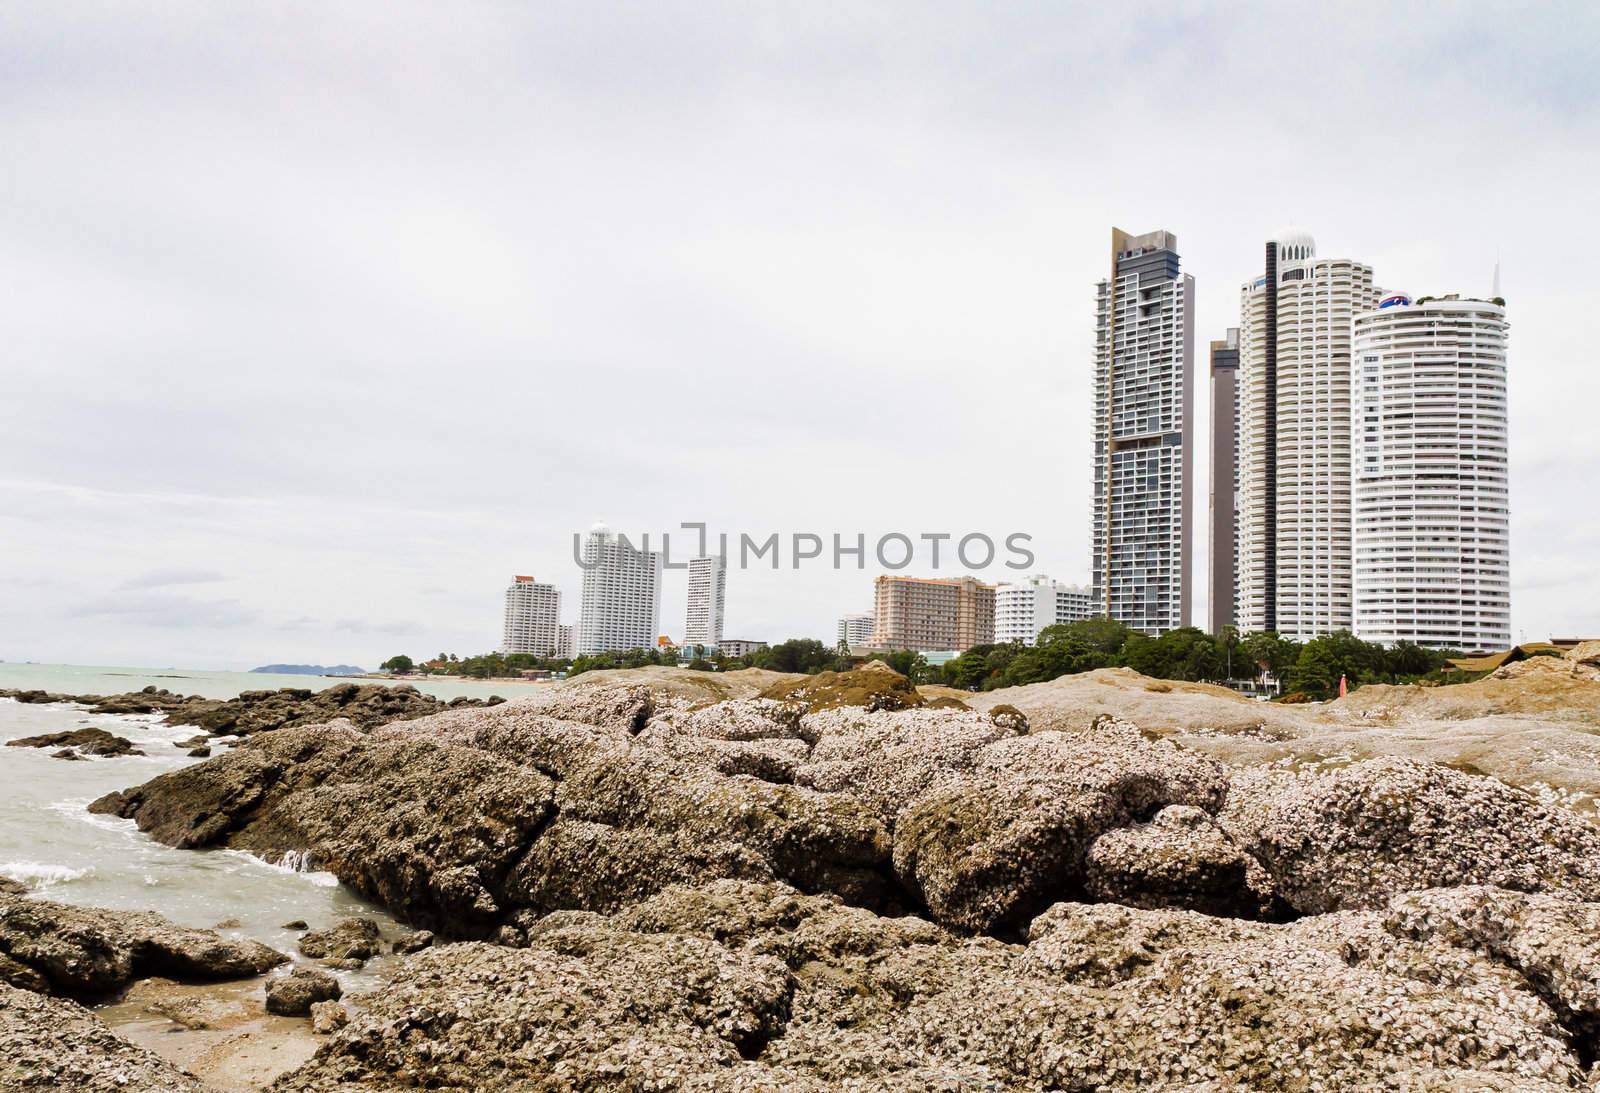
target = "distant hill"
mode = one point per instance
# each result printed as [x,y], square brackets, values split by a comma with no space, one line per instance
[311,669]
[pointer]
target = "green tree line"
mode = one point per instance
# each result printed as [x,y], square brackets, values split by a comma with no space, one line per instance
[1312,668]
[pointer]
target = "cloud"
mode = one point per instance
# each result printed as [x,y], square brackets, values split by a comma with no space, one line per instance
[172,612]
[168,578]
[389,299]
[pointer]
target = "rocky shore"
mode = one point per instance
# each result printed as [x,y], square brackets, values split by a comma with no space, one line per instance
[363,705]
[845,887]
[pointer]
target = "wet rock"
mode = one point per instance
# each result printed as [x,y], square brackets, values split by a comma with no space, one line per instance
[1179,860]
[21,975]
[52,1044]
[296,924]
[412,942]
[365,705]
[1353,838]
[199,741]
[328,1016]
[228,924]
[428,831]
[96,742]
[349,939]
[186,1007]
[199,753]
[91,952]
[294,993]
[66,753]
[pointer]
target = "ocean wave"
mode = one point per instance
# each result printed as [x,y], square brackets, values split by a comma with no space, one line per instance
[294,861]
[37,876]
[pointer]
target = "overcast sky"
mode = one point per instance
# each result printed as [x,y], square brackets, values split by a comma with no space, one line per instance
[323,320]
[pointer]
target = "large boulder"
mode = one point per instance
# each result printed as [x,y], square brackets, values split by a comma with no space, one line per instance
[52,1045]
[1181,860]
[428,830]
[988,856]
[741,986]
[1354,837]
[91,741]
[350,939]
[92,952]
[875,686]
[294,993]
[1552,943]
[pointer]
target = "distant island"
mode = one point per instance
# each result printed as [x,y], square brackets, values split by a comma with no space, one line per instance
[311,669]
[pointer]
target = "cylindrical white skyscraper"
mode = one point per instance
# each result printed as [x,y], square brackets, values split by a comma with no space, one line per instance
[1432,538]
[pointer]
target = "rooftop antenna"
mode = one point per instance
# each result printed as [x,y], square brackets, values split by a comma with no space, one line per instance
[1496,293]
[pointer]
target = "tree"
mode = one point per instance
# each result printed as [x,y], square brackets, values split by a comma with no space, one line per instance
[805,655]
[399,665]
[1228,638]
[1102,635]
[1324,661]
[1185,653]
[1269,652]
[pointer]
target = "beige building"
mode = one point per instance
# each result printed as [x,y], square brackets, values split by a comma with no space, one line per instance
[926,614]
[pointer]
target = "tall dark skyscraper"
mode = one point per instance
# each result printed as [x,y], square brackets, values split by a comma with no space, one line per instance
[1143,450]
[1224,508]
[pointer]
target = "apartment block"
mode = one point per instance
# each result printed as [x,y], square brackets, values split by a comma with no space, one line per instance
[708,587]
[1294,541]
[1432,544]
[1144,393]
[1024,608]
[932,613]
[532,618]
[856,629]
[621,607]
[739,647]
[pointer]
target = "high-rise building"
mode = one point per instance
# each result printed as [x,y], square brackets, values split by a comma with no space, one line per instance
[1294,572]
[1432,503]
[1023,609]
[568,646]
[1144,394]
[1224,478]
[932,613]
[621,594]
[856,628]
[708,585]
[533,618]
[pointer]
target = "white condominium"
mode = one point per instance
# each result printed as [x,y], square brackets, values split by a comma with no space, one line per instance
[708,586]
[568,646]
[1294,541]
[621,594]
[533,618]
[1023,609]
[856,629]
[1143,390]
[1432,536]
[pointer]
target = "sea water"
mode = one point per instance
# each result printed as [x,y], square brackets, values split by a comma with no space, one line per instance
[51,843]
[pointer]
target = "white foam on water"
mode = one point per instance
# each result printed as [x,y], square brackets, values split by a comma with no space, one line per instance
[78,809]
[295,862]
[37,876]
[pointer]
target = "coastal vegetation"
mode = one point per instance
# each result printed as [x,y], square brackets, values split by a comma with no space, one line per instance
[1311,669]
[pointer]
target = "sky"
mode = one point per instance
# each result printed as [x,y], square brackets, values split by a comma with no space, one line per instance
[324,320]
